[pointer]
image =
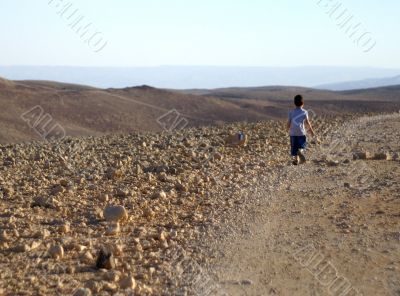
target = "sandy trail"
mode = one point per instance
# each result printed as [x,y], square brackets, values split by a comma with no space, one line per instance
[323,229]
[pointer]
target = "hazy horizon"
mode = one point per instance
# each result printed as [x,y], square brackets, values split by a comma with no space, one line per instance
[186,77]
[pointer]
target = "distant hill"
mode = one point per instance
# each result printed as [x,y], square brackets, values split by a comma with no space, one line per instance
[82,110]
[362,84]
[184,77]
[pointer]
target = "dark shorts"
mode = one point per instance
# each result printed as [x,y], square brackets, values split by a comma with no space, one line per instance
[296,143]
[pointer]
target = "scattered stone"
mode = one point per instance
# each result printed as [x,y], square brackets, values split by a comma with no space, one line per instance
[160,195]
[246,282]
[44,202]
[4,236]
[65,228]
[149,213]
[82,292]
[45,233]
[217,156]
[189,198]
[105,260]
[57,189]
[122,192]
[237,140]
[35,245]
[128,283]
[64,183]
[332,163]
[115,213]
[56,252]
[113,174]
[361,155]
[110,287]
[382,156]
[104,197]
[22,248]
[113,229]
[87,258]
[94,286]
[162,236]
[8,191]
[112,276]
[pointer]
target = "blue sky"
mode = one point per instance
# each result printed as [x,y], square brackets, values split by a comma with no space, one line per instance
[198,32]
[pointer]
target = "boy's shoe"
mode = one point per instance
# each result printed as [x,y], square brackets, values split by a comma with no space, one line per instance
[295,160]
[301,156]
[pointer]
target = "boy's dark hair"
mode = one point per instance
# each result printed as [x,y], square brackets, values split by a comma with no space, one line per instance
[298,100]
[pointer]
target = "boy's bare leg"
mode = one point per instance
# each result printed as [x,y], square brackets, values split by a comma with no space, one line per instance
[301,156]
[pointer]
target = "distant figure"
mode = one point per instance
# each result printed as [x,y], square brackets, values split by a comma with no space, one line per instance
[298,140]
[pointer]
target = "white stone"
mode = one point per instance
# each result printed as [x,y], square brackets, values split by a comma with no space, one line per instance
[115,213]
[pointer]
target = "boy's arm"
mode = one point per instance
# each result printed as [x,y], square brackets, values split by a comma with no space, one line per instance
[289,122]
[310,127]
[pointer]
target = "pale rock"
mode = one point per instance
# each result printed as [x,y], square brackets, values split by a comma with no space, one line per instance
[115,213]
[4,236]
[87,258]
[56,251]
[45,233]
[22,248]
[160,195]
[103,197]
[112,276]
[128,283]
[110,287]
[15,233]
[162,236]
[79,248]
[117,249]
[35,245]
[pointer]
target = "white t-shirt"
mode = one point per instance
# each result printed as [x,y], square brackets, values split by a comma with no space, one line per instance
[297,118]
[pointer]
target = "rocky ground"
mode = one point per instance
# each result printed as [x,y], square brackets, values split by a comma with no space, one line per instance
[180,213]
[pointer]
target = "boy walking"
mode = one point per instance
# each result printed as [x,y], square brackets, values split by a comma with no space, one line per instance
[298,118]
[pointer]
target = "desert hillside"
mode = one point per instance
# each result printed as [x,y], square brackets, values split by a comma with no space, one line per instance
[33,110]
[181,213]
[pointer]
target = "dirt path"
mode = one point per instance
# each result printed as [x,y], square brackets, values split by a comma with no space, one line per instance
[326,228]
